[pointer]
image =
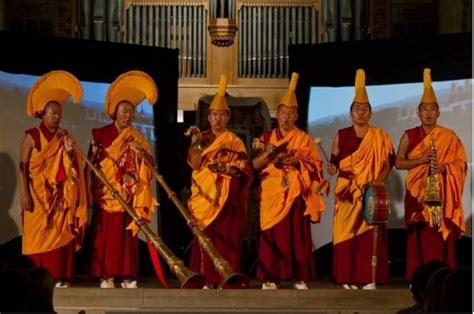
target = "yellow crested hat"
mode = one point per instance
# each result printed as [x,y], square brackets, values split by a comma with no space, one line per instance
[53,86]
[428,92]
[219,102]
[361,96]
[289,99]
[132,86]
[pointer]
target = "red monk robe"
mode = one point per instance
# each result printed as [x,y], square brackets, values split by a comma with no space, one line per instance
[218,203]
[352,236]
[288,204]
[114,240]
[53,230]
[424,242]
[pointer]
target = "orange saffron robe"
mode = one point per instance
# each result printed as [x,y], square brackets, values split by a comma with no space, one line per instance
[143,202]
[57,217]
[450,153]
[276,198]
[209,190]
[365,163]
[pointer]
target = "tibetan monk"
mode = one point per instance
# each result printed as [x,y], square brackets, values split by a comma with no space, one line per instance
[290,173]
[53,195]
[361,155]
[432,229]
[115,151]
[221,179]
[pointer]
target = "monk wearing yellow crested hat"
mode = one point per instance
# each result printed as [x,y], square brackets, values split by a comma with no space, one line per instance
[114,240]
[289,168]
[361,155]
[53,195]
[431,229]
[219,192]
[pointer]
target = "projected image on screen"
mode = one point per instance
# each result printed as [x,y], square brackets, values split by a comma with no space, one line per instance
[78,119]
[395,110]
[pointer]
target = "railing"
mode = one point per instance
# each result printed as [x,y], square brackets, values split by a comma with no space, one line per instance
[266,28]
[171,24]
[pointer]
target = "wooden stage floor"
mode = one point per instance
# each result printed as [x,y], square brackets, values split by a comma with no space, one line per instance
[151,297]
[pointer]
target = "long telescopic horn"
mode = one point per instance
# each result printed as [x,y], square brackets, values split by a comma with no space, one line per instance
[230,279]
[186,277]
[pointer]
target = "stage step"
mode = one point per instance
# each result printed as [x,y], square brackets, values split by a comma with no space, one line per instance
[331,301]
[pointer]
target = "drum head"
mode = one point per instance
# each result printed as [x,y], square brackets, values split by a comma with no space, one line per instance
[370,196]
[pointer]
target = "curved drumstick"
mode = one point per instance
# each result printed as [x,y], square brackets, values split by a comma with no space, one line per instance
[323,186]
[317,140]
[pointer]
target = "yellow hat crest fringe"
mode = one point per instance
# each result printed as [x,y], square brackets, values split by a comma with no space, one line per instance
[133,87]
[289,99]
[55,86]
[429,95]
[359,86]
[219,103]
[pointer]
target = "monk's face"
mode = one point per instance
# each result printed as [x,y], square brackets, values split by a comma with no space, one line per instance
[52,115]
[428,113]
[218,120]
[286,117]
[125,115]
[360,113]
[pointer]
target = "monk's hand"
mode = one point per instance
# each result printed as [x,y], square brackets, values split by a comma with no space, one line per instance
[332,169]
[218,167]
[26,202]
[270,150]
[196,137]
[437,168]
[428,156]
[69,143]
